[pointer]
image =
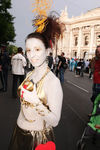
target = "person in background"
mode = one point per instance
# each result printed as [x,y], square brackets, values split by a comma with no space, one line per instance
[61,68]
[90,70]
[18,63]
[4,64]
[87,66]
[50,61]
[82,67]
[1,76]
[95,66]
[68,61]
[56,65]
[72,64]
[78,68]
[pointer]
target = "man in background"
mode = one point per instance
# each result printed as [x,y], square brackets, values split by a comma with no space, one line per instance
[4,64]
[50,61]
[18,63]
[95,66]
[61,68]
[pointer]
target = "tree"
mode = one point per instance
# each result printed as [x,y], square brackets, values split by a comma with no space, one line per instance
[7,32]
[12,49]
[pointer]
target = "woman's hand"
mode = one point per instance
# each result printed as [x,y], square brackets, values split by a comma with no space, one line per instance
[30,96]
[42,110]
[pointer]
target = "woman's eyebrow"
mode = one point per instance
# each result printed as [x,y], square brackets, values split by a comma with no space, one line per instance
[33,48]
[38,47]
[27,49]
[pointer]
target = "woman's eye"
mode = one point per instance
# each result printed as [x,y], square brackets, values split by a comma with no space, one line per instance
[37,49]
[27,51]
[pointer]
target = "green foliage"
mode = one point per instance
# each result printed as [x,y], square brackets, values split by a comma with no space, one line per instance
[5,4]
[7,32]
[12,49]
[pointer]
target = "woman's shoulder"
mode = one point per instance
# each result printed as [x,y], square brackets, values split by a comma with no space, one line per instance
[52,84]
[51,78]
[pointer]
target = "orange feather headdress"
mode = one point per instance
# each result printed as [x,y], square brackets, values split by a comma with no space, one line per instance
[41,8]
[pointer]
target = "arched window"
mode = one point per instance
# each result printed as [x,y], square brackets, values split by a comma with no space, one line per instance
[98,39]
[76,41]
[86,41]
[75,54]
[84,54]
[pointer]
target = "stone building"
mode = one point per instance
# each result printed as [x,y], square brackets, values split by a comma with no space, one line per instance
[81,35]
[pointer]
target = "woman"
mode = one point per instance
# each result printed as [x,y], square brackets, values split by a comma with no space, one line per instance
[41,105]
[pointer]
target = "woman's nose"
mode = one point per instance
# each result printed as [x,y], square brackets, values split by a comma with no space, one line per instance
[32,53]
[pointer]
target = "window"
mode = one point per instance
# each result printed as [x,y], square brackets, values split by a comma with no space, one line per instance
[98,39]
[75,54]
[86,40]
[84,54]
[76,41]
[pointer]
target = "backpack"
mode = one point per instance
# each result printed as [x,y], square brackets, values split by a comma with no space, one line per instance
[64,65]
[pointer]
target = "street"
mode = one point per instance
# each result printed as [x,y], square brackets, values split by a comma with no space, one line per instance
[76,107]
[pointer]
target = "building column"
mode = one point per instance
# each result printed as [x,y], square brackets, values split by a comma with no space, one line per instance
[63,42]
[71,43]
[91,39]
[79,42]
[67,36]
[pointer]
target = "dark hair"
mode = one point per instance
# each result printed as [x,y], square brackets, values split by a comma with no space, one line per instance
[20,50]
[97,49]
[50,54]
[40,37]
[52,30]
[62,53]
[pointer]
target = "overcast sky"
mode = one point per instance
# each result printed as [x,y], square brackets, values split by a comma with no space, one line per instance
[22,11]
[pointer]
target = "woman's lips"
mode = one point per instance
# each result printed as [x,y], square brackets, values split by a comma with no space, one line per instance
[34,60]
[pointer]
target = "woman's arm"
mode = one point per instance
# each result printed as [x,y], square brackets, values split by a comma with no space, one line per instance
[54,94]
[59,65]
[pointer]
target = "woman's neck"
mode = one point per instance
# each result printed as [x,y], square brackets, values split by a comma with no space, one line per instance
[39,72]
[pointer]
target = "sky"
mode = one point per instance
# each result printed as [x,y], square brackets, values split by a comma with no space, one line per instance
[22,11]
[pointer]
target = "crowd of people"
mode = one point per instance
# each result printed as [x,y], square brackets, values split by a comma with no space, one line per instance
[19,65]
[80,66]
[60,63]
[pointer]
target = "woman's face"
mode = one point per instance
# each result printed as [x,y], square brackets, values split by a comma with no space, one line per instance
[36,51]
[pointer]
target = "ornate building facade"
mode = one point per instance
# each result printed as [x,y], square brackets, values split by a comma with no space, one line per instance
[81,36]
